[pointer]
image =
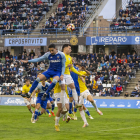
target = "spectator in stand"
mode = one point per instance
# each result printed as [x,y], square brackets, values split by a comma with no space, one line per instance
[118,90]
[121,12]
[126,94]
[32,53]
[39,2]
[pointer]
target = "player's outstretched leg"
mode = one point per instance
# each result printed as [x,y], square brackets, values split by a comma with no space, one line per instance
[35,83]
[52,85]
[48,112]
[82,113]
[53,106]
[57,118]
[89,98]
[87,112]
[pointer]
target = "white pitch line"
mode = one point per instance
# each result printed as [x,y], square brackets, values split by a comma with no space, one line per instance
[115,129]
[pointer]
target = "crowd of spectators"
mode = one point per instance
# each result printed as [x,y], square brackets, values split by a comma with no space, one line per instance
[13,73]
[129,18]
[110,74]
[66,12]
[22,15]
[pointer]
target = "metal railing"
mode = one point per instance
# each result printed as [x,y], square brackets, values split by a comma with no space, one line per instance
[57,32]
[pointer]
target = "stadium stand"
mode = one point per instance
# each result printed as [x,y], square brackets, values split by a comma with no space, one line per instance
[22,16]
[110,75]
[129,18]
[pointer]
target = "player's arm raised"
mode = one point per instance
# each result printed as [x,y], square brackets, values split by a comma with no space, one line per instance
[42,58]
[87,72]
[74,70]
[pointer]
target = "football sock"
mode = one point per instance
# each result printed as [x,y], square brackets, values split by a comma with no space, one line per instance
[52,85]
[53,105]
[87,112]
[75,110]
[63,97]
[57,120]
[82,113]
[94,104]
[70,107]
[36,114]
[47,111]
[39,113]
[34,85]
[31,110]
[75,96]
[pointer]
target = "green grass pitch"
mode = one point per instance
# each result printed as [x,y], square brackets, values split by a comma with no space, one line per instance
[115,124]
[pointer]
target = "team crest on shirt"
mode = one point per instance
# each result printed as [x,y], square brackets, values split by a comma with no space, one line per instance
[51,57]
[57,56]
[69,58]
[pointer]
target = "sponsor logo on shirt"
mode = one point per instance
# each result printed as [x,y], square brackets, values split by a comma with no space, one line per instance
[55,61]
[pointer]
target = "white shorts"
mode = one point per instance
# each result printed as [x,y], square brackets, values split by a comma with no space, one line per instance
[32,101]
[83,96]
[48,101]
[67,80]
[58,98]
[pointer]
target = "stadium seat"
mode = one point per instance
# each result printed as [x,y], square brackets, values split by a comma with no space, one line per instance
[97,94]
[104,85]
[108,85]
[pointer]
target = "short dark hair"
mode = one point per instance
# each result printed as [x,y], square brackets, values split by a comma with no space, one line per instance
[27,80]
[78,64]
[64,46]
[52,46]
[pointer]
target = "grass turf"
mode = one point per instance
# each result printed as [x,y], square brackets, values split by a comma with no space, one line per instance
[115,124]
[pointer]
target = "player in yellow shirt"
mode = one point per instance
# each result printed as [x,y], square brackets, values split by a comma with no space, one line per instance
[29,102]
[67,80]
[85,94]
[60,112]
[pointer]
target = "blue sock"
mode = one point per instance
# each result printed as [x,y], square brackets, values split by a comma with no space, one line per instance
[34,85]
[47,111]
[39,113]
[87,112]
[50,87]
[70,108]
[75,109]
[53,105]
[36,114]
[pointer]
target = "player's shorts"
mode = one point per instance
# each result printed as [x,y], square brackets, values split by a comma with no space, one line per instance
[51,73]
[32,101]
[83,96]
[42,103]
[50,99]
[58,98]
[67,80]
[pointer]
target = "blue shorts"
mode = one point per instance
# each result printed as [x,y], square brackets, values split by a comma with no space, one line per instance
[51,73]
[50,99]
[42,103]
[77,87]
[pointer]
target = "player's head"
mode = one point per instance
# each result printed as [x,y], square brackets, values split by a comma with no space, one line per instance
[79,66]
[27,82]
[43,82]
[52,49]
[66,49]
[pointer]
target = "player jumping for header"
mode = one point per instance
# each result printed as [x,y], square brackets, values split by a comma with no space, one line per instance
[56,69]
